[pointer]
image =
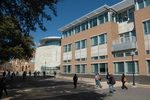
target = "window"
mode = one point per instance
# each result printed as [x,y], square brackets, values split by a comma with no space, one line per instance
[94,41]
[94,68]
[99,68]
[80,68]
[94,58]
[83,44]
[103,68]
[126,15]
[131,13]
[77,45]
[103,18]
[77,60]
[67,69]
[65,48]
[126,67]
[146,26]
[69,47]
[77,29]
[127,37]
[102,39]
[83,59]
[148,65]
[93,22]
[142,3]
[119,68]
[117,55]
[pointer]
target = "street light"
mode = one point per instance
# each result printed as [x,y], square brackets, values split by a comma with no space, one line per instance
[132,54]
[45,67]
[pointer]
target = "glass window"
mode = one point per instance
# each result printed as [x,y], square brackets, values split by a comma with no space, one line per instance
[77,45]
[148,64]
[147,2]
[146,26]
[94,41]
[94,68]
[94,22]
[77,68]
[83,59]
[103,68]
[77,60]
[129,68]
[119,68]
[83,68]
[83,44]
[131,13]
[94,58]
[102,57]
[119,55]
[69,47]
[65,48]
[140,4]
[102,39]
[101,19]
[77,29]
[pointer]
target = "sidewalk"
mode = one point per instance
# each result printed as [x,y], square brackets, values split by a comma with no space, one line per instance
[103,83]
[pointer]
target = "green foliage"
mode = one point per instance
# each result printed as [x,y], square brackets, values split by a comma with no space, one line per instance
[28,13]
[13,43]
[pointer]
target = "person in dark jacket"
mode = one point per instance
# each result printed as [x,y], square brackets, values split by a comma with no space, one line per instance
[75,79]
[123,80]
[3,87]
[111,83]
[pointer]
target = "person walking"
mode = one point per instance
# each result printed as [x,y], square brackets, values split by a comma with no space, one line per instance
[75,79]
[30,73]
[111,83]
[24,75]
[3,87]
[4,74]
[97,80]
[123,80]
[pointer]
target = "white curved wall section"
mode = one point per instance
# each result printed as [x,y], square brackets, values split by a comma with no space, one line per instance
[48,56]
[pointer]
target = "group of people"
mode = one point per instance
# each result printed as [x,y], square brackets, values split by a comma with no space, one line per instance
[110,81]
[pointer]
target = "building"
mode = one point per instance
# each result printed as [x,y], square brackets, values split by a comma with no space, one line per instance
[47,56]
[114,39]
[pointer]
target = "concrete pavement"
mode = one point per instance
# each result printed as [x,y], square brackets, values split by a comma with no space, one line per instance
[61,88]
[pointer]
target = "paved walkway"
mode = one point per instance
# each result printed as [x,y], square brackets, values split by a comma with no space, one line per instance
[61,88]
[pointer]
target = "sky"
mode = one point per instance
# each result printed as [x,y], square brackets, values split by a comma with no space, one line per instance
[67,12]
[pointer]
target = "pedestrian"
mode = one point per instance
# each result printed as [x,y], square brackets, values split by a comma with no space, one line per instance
[75,79]
[24,75]
[38,73]
[17,73]
[123,80]
[43,73]
[4,74]
[35,74]
[111,83]
[107,79]
[97,80]
[55,74]
[3,87]
[30,73]
[12,75]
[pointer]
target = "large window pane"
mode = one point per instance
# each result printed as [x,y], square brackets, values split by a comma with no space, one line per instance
[103,68]
[147,2]
[94,41]
[148,64]
[119,68]
[140,4]
[77,45]
[102,39]
[94,68]
[83,44]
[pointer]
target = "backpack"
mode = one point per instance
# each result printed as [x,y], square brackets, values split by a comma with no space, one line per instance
[125,79]
[112,81]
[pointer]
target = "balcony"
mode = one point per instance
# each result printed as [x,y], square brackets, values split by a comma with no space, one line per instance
[124,44]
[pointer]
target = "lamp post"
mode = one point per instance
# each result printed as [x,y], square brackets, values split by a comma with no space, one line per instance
[45,67]
[132,54]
